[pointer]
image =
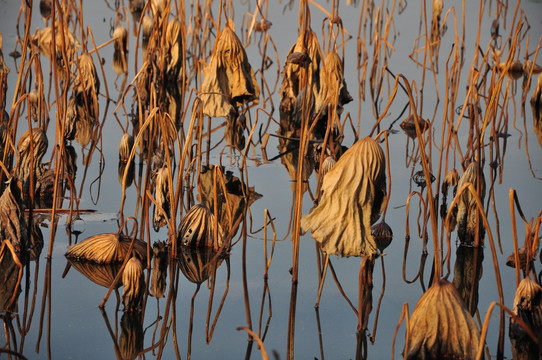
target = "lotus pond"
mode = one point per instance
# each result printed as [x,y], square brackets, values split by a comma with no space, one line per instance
[270,179]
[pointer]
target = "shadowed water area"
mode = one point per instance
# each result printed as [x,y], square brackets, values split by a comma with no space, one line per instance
[270,179]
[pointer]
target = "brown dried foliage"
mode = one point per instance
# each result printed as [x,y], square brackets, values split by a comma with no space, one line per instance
[354,196]
[441,327]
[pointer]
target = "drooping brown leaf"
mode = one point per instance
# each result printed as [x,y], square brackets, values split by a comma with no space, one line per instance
[441,327]
[134,285]
[467,226]
[467,275]
[199,229]
[229,80]
[43,39]
[106,248]
[125,148]
[230,204]
[333,86]
[354,195]
[12,222]
[293,78]
[25,158]
[162,209]
[120,55]
[528,307]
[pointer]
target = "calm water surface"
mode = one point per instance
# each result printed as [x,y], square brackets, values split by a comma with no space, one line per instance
[58,315]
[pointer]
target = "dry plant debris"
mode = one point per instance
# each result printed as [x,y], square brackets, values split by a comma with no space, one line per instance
[441,327]
[229,80]
[199,229]
[354,196]
[106,248]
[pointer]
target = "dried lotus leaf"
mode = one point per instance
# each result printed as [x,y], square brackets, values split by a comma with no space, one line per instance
[198,229]
[354,195]
[134,285]
[292,73]
[12,222]
[161,193]
[467,225]
[528,306]
[440,326]
[43,39]
[106,248]
[229,80]
[333,86]
[39,146]
[232,203]
[120,55]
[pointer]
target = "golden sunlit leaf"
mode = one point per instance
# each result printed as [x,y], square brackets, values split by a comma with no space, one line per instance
[354,195]
[441,327]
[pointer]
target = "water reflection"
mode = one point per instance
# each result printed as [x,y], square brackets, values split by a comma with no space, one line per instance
[187,130]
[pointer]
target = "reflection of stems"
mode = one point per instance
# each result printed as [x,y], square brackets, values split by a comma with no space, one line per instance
[111,333]
[245,282]
[215,320]
[268,292]
[46,296]
[191,323]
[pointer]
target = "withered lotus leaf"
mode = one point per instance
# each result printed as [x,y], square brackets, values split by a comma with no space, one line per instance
[12,223]
[161,193]
[120,59]
[441,327]
[528,307]
[43,39]
[198,229]
[229,80]
[292,82]
[24,157]
[327,165]
[450,180]
[134,284]
[354,195]
[333,86]
[106,248]
[466,206]
[231,203]
[87,80]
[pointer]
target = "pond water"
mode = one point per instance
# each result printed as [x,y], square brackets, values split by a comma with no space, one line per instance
[56,314]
